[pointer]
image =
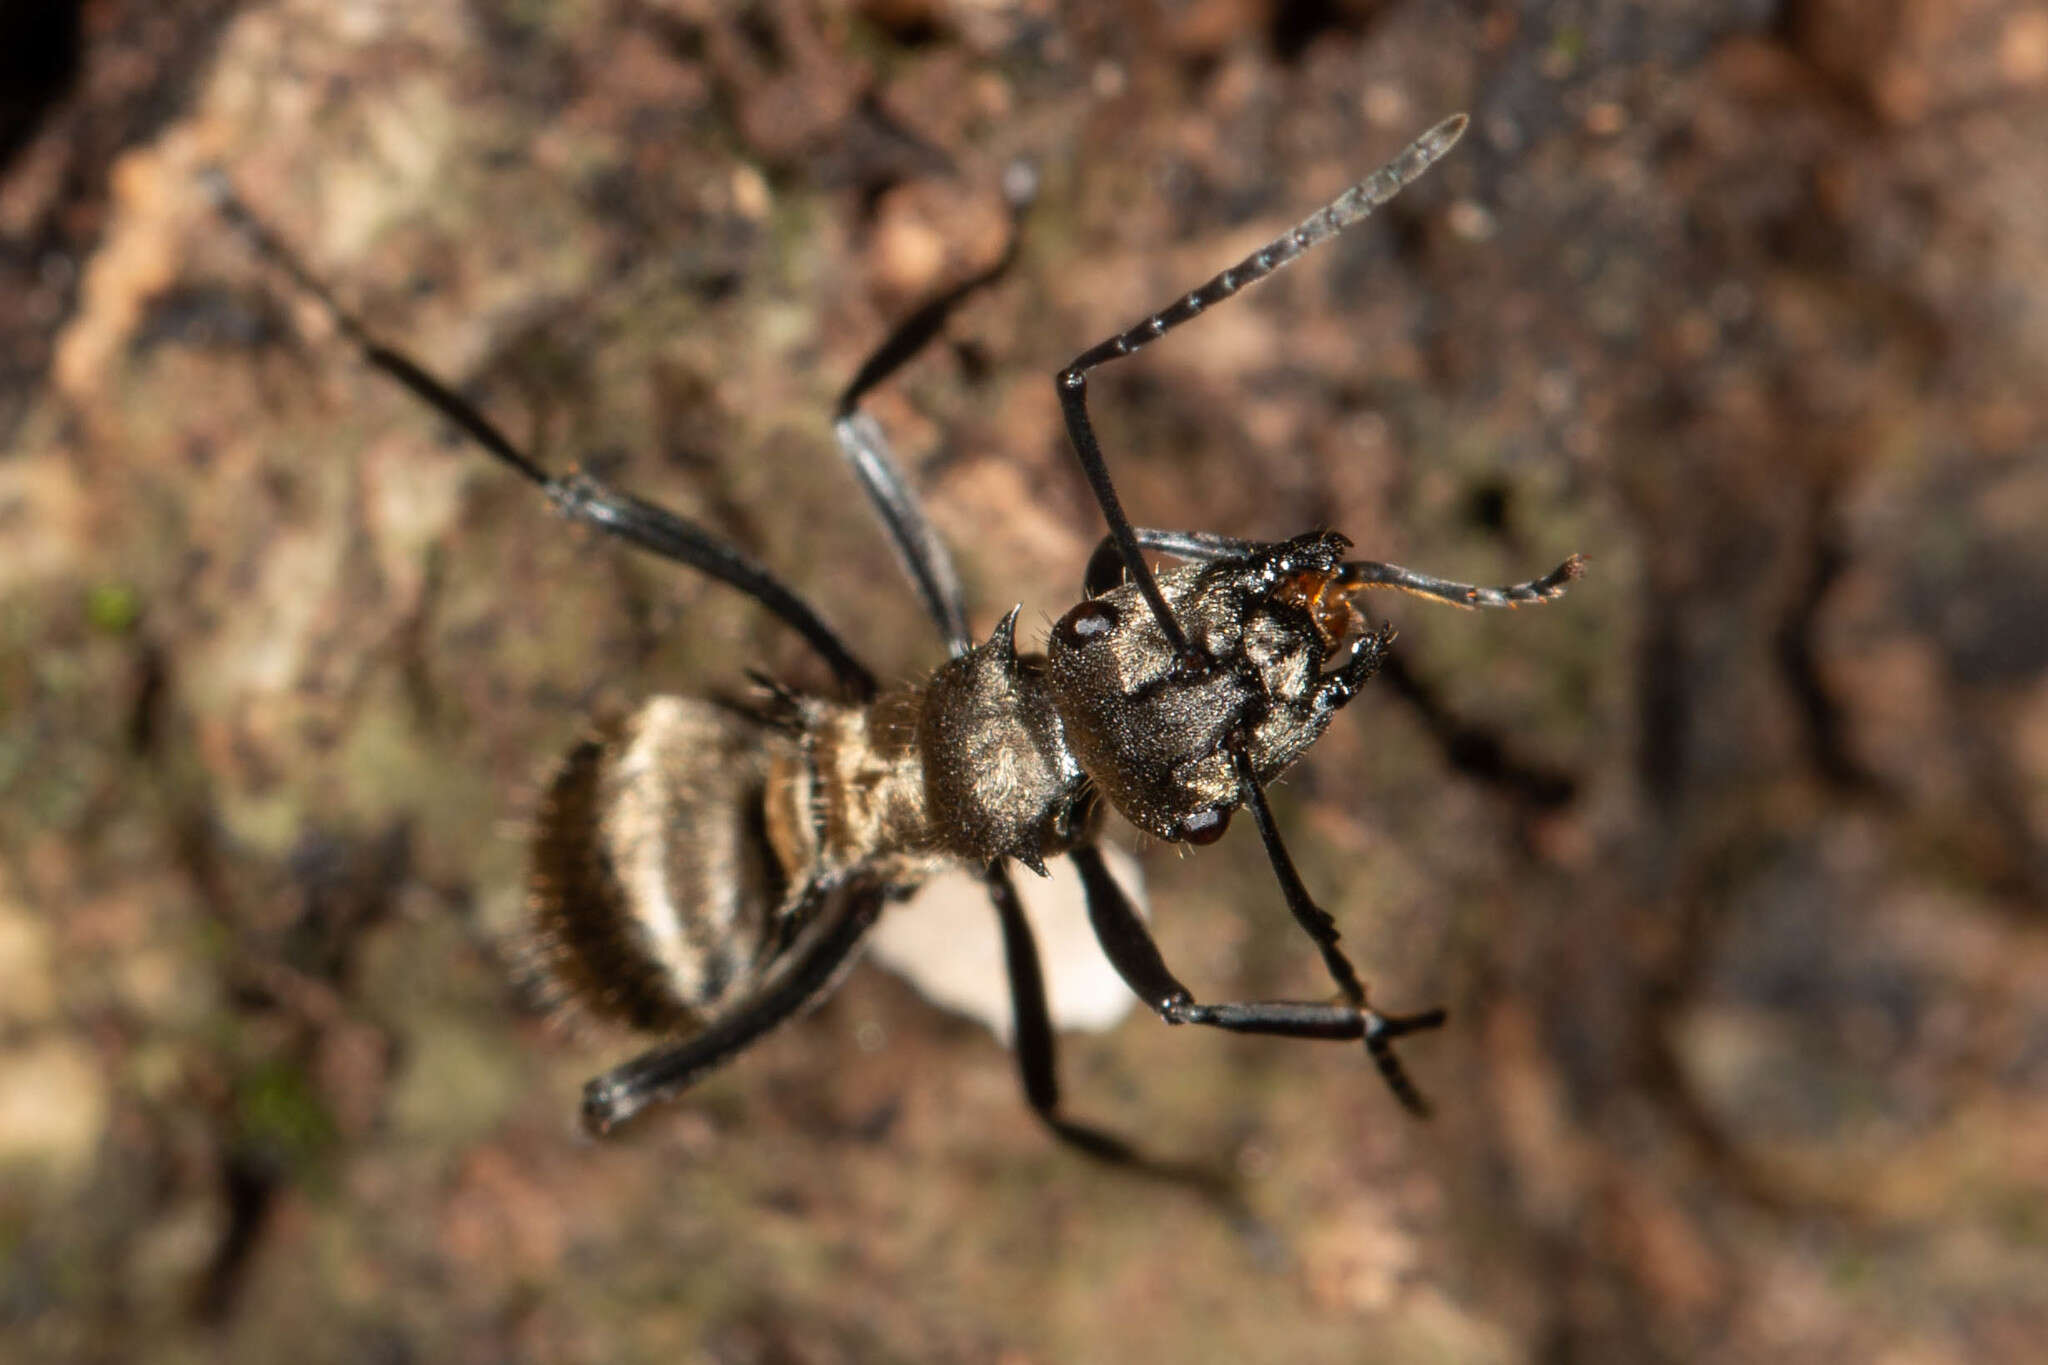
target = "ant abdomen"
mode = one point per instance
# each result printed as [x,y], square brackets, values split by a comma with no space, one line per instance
[654,880]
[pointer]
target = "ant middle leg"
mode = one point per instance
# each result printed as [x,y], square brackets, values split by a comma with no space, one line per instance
[1036,1044]
[1037,1066]
[919,547]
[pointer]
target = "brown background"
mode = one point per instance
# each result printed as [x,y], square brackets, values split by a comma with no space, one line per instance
[1731,865]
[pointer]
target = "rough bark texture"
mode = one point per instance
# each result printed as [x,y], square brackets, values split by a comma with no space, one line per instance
[1731,866]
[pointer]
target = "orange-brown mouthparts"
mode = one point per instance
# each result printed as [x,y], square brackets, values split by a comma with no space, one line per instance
[1331,611]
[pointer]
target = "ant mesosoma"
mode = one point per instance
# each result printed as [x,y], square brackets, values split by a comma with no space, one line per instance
[705,870]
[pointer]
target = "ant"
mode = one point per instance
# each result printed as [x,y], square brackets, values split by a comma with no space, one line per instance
[705,870]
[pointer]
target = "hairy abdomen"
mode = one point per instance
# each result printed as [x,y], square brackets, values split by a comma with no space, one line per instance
[654,883]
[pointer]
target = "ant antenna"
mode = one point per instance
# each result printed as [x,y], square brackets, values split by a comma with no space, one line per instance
[1340,213]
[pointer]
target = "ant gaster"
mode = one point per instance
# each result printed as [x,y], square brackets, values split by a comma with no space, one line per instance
[705,871]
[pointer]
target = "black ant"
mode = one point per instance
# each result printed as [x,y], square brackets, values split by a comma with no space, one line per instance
[705,870]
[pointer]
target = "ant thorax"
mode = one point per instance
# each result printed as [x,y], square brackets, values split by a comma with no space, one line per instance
[1151,726]
[847,794]
[999,777]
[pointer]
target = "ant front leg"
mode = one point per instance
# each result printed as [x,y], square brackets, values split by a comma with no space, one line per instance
[1380,1029]
[1134,954]
[1105,570]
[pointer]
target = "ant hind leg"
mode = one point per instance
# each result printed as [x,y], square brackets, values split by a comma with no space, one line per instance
[810,968]
[643,524]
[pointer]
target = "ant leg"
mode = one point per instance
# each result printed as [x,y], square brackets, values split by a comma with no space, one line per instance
[1314,920]
[1367,573]
[1136,957]
[923,554]
[1106,566]
[1037,1066]
[1380,1029]
[640,523]
[1072,382]
[664,1072]
[1037,1057]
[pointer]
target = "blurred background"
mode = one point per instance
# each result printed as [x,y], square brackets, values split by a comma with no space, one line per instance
[1730,865]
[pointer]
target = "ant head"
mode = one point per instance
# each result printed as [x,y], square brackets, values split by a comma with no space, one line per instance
[1154,729]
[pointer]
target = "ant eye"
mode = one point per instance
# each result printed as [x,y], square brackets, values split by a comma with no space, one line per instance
[1086,623]
[1204,826]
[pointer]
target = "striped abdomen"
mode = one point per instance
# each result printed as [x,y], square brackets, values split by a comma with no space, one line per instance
[654,883]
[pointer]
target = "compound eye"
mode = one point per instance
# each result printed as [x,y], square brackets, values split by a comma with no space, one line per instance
[1091,621]
[1203,826]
